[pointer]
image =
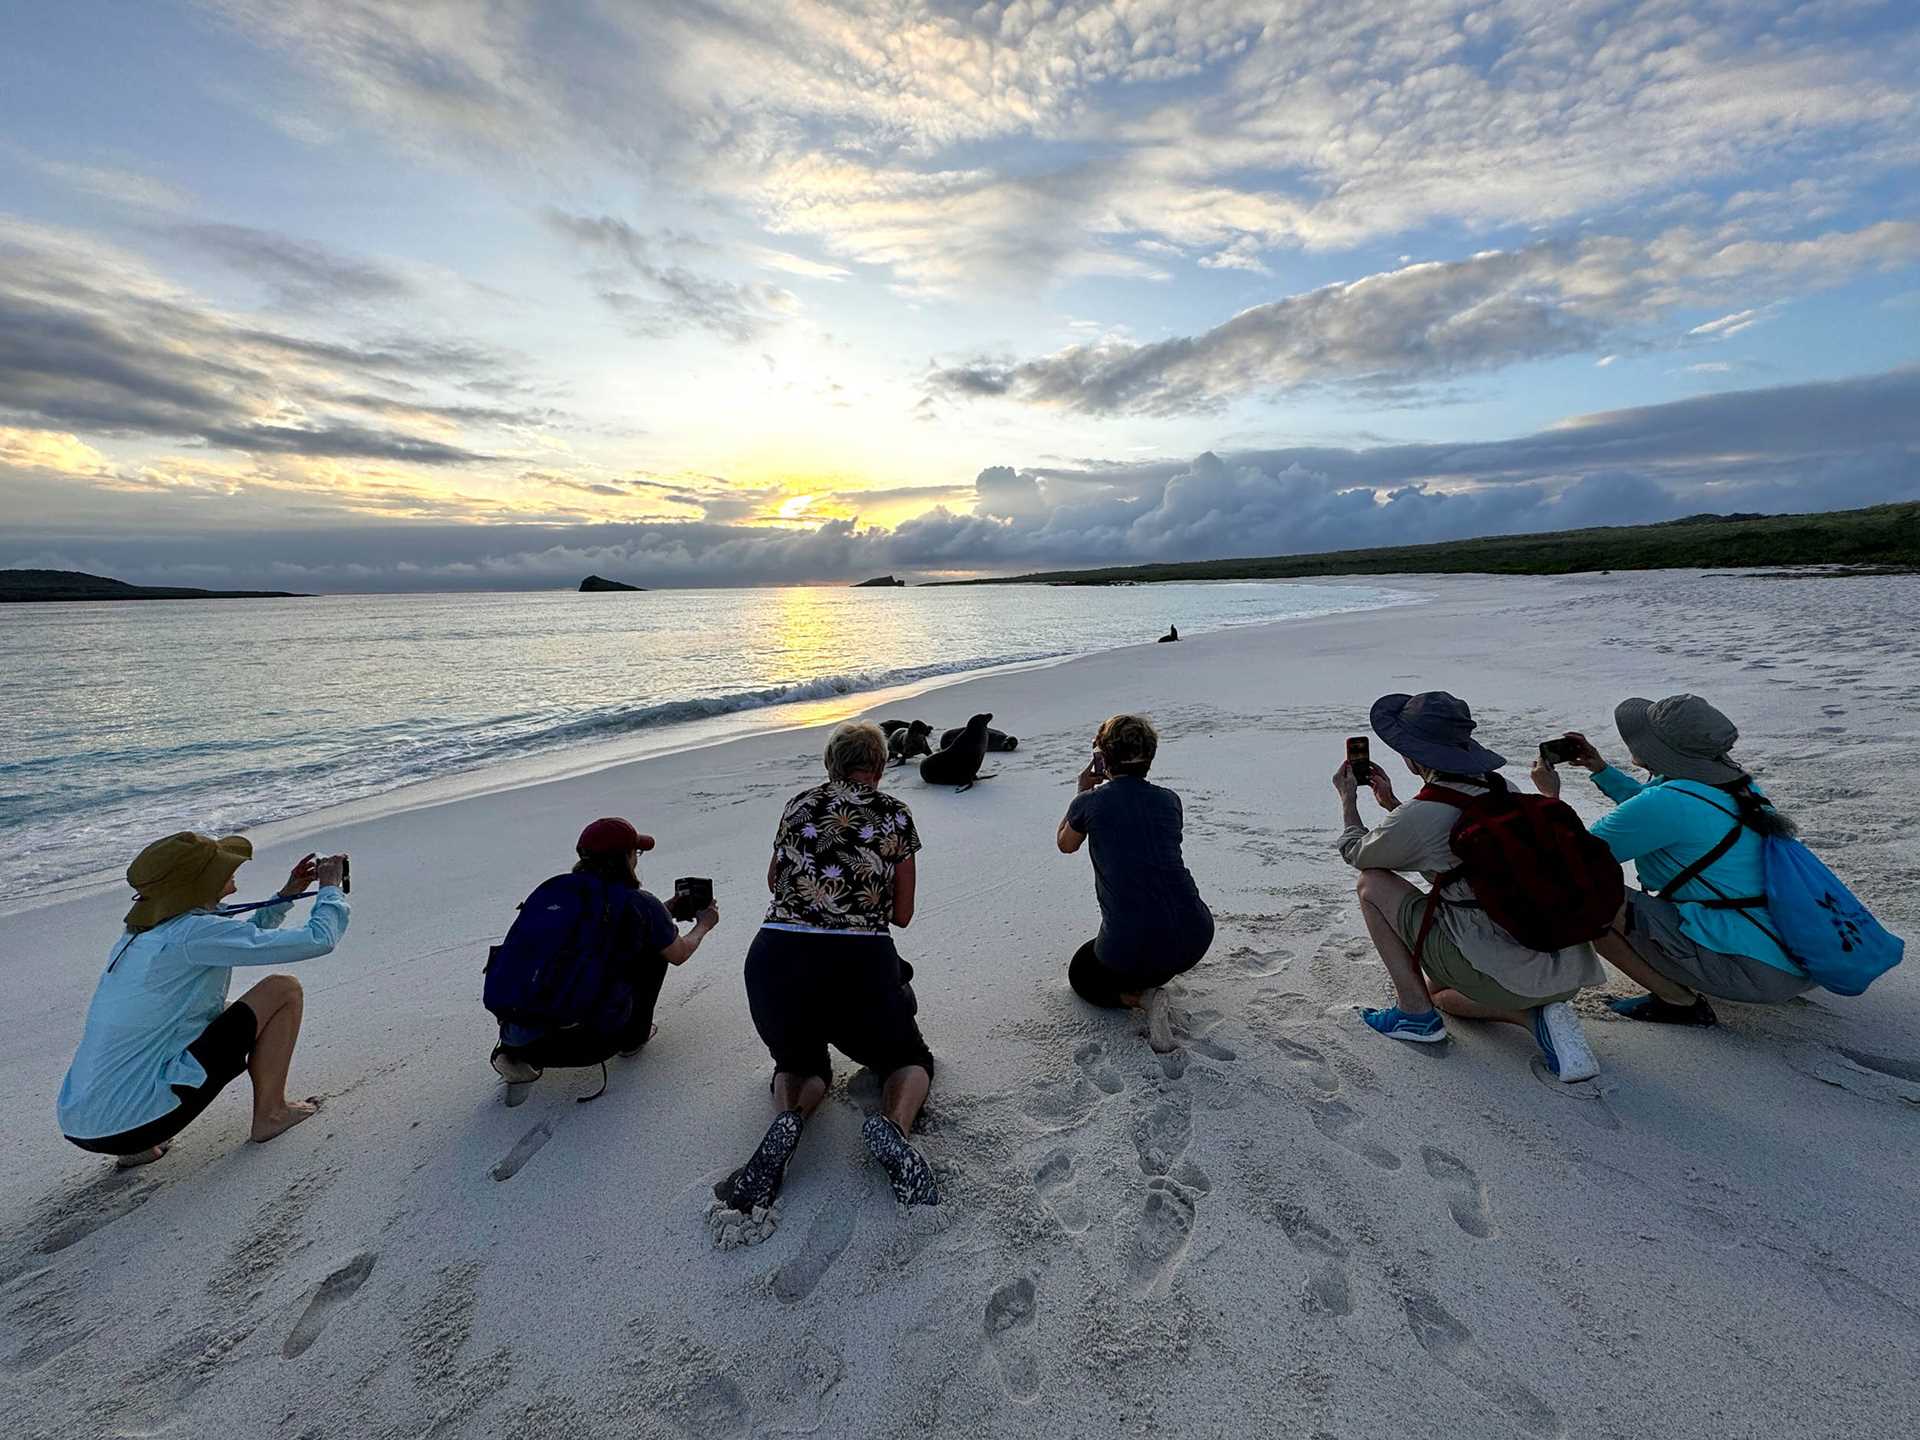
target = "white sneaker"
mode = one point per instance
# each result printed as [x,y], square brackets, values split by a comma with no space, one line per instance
[1563,1042]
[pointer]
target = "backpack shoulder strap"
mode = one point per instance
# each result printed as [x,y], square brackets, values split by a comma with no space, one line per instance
[1694,871]
[1444,796]
[1704,862]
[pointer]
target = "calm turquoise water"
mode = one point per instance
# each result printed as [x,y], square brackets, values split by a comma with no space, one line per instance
[120,722]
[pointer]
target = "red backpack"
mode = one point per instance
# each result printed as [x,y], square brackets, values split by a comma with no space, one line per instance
[1536,870]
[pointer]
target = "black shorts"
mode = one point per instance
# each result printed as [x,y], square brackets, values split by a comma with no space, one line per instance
[853,992]
[223,1050]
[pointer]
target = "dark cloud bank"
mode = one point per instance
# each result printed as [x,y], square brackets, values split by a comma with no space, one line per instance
[1801,447]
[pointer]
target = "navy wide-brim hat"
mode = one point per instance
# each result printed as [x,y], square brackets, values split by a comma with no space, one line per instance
[1433,729]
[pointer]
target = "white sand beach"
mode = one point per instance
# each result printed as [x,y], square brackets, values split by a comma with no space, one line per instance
[1290,1227]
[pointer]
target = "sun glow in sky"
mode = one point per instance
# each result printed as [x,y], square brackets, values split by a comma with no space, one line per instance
[342,294]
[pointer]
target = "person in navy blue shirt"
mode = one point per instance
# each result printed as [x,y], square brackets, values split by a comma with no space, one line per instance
[651,941]
[1153,923]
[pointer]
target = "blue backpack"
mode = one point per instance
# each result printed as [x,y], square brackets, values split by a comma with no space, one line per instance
[1811,915]
[556,965]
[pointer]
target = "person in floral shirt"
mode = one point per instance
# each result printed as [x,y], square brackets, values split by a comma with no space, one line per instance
[835,857]
[823,969]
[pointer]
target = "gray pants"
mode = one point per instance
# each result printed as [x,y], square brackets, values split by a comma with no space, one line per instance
[1653,925]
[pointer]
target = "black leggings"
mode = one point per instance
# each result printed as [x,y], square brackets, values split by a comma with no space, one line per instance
[223,1050]
[584,1045]
[1098,985]
[808,990]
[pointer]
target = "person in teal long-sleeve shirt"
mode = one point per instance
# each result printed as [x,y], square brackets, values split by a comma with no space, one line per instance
[160,1039]
[1707,935]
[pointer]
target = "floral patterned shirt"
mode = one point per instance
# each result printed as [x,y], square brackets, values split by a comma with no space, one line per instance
[834,856]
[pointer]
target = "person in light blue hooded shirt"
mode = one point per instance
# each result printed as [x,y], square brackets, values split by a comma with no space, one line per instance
[1695,832]
[160,1039]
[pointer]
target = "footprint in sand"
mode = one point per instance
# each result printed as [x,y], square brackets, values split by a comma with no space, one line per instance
[37,1306]
[1191,1178]
[1451,1345]
[1886,1078]
[1260,964]
[1009,1327]
[1340,1123]
[1098,1068]
[1466,1196]
[333,1292]
[1592,1098]
[1196,1027]
[1151,1255]
[1161,1134]
[1058,1105]
[92,1207]
[1311,1064]
[1055,1180]
[827,1240]
[1328,1291]
[524,1150]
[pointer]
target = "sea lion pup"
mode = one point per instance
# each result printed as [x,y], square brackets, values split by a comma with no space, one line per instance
[1173,633]
[996,739]
[959,762]
[906,739]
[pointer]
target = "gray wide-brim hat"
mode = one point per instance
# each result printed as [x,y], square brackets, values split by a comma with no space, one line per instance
[1681,737]
[1435,729]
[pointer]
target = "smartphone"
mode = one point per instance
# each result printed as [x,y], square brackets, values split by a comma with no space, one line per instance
[1357,759]
[1098,764]
[346,875]
[1560,752]
[692,894]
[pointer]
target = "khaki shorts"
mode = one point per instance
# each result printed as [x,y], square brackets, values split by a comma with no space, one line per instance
[1653,929]
[1448,969]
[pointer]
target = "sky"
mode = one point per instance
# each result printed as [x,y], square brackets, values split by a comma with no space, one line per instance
[336,295]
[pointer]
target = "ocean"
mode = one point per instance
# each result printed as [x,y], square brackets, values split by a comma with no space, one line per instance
[122,722]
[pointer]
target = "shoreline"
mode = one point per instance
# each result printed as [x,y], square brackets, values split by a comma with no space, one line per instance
[570,762]
[1290,1217]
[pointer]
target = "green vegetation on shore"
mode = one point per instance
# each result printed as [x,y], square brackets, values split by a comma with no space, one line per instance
[1882,537]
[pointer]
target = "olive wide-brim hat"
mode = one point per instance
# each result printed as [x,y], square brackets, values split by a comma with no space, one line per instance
[183,872]
[1434,729]
[1681,737]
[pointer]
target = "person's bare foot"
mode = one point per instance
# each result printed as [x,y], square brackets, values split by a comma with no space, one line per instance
[144,1157]
[1159,1021]
[284,1119]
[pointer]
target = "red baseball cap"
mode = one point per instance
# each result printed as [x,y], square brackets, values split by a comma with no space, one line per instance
[611,834]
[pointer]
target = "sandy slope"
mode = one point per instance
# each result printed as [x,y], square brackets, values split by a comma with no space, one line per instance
[1289,1228]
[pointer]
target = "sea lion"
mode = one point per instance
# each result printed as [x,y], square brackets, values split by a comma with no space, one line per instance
[996,739]
[906,739]
[958,763]
[1173,633]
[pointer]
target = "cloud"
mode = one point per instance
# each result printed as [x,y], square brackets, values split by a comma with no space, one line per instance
[49,451]
[130,188]
[676,299]
[1427,322]
[1019,142]
[1726,326]
[1787,448]
[299,274]
[794,264]
[93,340]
